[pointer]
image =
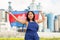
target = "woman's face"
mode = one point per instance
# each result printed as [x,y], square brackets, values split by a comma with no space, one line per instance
[30,15]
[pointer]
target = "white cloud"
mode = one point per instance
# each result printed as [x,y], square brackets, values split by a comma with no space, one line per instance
[51,6]
[16,4]
[47,5]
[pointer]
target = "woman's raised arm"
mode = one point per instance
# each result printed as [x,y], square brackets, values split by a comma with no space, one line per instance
[21,21]
[43,17]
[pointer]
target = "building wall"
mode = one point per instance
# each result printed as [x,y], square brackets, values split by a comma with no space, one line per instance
[3,16]
[50,21]
[56,24]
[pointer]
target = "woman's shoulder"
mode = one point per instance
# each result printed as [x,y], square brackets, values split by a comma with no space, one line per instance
[36,21]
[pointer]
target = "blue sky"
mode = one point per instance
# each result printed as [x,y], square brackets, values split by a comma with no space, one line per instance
[47,5]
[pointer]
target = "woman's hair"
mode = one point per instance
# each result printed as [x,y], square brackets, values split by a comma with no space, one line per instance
[33,19]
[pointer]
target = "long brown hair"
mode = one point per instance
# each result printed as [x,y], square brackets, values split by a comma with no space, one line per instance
[33,19]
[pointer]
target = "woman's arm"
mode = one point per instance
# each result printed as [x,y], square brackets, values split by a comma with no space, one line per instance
[43,17]
[21,21]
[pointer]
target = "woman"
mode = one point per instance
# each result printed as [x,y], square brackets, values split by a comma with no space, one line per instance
[32,25]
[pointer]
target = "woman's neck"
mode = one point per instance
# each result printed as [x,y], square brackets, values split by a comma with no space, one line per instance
[31,21]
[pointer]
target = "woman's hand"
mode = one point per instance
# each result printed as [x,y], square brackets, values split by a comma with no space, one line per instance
[8,12]
[43,17]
